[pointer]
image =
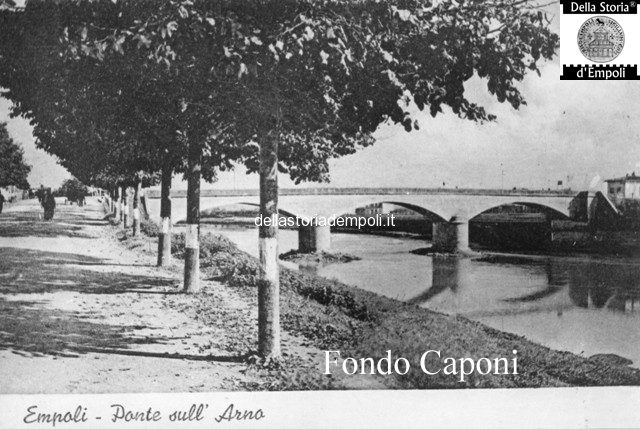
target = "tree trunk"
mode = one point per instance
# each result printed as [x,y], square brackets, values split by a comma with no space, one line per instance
[192,238]
[164,238]
[136,208]
[125,207]
[269,286]
[118,216]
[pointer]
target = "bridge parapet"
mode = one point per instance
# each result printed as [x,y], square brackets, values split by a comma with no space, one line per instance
[210,193]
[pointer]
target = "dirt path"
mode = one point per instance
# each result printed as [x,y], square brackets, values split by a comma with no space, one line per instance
[79,312]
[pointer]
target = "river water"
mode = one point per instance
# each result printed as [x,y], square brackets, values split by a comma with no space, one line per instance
[586,305]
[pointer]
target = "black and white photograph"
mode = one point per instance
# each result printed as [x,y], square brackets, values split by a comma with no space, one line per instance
[319,213]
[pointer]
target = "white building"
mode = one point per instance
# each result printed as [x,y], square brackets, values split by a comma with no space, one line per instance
[627,187]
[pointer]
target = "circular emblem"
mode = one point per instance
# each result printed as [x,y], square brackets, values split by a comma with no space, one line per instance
[600,39]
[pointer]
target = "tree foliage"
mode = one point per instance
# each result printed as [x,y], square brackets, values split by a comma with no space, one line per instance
[319,75]
[75,108]
[322,75]
[13,168]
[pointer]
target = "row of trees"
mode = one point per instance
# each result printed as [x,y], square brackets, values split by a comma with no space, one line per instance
[13,168]
[136,91]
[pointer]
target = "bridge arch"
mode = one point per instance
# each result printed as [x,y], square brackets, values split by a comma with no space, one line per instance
[551,212]
[431,215]
[205,211]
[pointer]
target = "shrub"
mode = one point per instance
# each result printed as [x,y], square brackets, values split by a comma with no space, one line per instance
[149,228]
[226,263]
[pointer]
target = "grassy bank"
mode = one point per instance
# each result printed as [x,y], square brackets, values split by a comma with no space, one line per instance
[335,316]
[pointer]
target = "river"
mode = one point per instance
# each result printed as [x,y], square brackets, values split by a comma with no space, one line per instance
[582,304]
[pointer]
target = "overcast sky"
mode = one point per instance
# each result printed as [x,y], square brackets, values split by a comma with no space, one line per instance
[46,170]
[570,131]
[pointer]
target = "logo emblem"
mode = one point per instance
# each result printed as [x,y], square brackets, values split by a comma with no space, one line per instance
[600,39]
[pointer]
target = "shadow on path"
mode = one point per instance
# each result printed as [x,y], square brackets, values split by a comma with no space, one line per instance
[36,271]
[14,226]
[27,220]
[29,330]
[30,326]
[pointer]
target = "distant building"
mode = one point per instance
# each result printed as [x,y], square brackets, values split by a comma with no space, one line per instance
[374,209]
[370,209]
[624,188]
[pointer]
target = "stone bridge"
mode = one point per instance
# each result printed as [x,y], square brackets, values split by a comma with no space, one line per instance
[448,210]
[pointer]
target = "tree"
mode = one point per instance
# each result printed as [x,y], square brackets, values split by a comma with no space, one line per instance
[7,4]
[164,107]
[183,86]
[76,109]
[13,168]
[73,189]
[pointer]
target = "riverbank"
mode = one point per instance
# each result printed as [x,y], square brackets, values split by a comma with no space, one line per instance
[334,316]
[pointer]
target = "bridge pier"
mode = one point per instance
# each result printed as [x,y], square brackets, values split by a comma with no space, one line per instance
[452,236]
[314,238]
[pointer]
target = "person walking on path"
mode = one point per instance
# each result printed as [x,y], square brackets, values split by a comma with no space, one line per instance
[49,204]
[40,194]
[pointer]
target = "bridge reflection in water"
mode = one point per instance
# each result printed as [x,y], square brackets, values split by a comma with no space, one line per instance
[569,283]
[582,307]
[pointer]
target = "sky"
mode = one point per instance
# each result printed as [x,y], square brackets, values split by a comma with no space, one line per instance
[45,169]
[570,130]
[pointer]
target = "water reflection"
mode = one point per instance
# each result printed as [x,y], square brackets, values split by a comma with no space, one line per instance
[493,284]
[590,285]
[614,287]
[445,277]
